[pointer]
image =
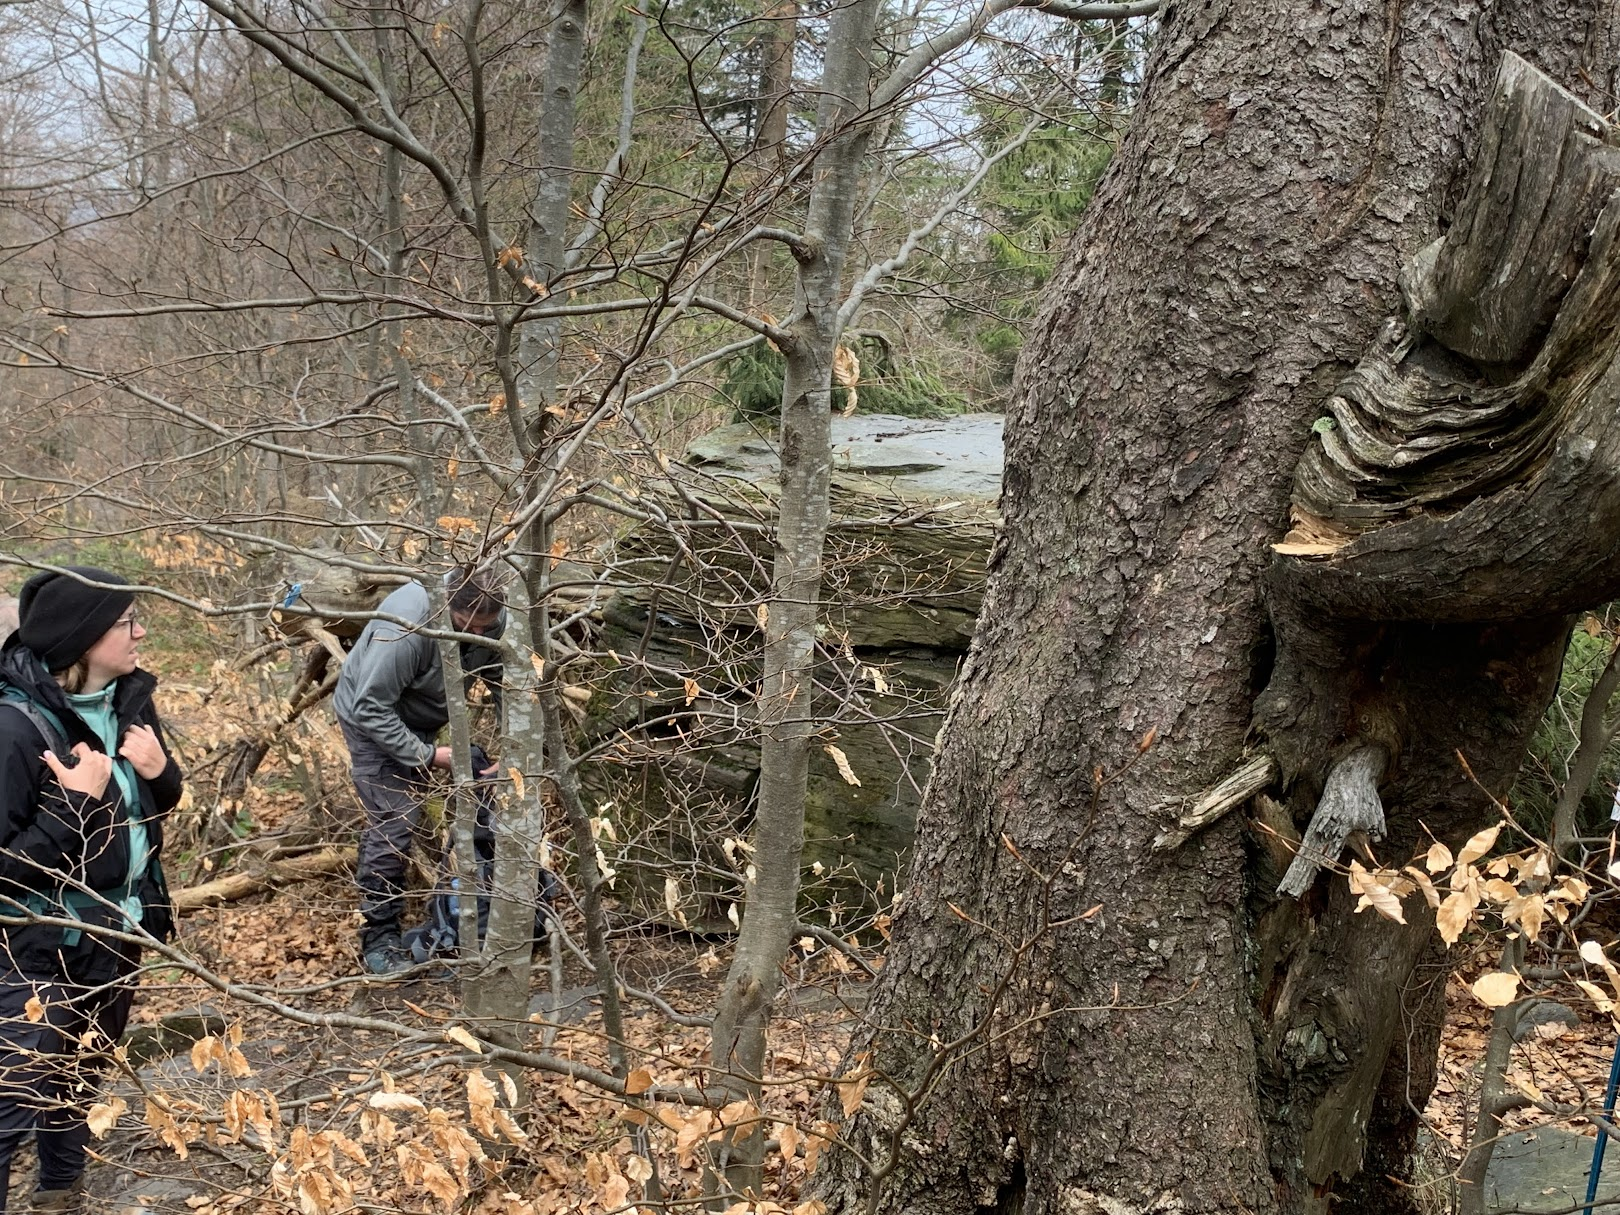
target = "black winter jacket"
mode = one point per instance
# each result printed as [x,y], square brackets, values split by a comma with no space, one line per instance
[52,839]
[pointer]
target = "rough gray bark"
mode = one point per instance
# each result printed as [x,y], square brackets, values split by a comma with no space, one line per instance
[1195,1044]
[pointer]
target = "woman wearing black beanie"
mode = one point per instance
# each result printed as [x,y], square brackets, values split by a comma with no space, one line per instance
[85,781]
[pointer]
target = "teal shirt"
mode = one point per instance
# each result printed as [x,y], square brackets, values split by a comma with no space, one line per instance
[95,709]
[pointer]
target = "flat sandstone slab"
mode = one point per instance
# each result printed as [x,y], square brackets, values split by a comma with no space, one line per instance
[940,458]
[1546,1170]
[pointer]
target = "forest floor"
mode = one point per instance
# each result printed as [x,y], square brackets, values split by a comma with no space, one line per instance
[581,1155]
[1564,1062]
[304,1086]
[581,1152]
[318,1089]
[363,1101]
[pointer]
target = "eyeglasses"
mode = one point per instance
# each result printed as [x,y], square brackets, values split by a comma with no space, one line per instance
[131,622]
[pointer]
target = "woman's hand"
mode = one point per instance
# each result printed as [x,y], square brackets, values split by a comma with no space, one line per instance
[144,752]
[89,776]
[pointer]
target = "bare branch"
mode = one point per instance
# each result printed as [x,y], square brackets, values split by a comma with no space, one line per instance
[877,273]
[610,171]
[927,54]
[1099,12]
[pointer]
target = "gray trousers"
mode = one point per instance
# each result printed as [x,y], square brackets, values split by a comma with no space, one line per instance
[392,796]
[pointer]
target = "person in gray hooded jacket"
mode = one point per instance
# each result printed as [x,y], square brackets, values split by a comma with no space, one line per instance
[390,704]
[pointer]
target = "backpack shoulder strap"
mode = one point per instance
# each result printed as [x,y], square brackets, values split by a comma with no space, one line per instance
[47,723]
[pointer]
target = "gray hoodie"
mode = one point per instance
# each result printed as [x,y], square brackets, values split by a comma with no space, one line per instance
[391,688]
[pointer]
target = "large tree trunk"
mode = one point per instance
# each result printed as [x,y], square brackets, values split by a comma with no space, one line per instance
[1082,1024]
[1422,606]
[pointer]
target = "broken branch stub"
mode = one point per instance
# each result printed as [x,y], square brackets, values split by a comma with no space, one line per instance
[1350,804]
[1253,775]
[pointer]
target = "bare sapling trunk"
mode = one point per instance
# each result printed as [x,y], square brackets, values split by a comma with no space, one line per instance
[461,808]
[497,994]
[529,374]
[589,876]
[788,618]
[770,139]
[540,344]
[1496,1096]
[1595,733]
[493,994]
[496,989]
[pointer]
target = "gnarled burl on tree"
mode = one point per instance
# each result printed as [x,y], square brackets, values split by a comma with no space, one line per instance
[1463,498]
[1459,503]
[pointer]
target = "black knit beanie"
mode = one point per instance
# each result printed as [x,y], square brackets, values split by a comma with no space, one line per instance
[59,617]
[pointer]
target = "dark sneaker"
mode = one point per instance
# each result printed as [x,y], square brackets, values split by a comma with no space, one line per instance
[386,958]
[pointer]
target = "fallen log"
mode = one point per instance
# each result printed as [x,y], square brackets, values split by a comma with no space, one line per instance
[276,873]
